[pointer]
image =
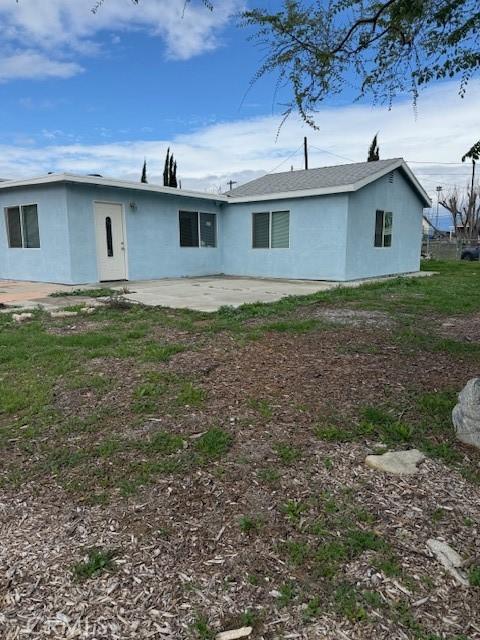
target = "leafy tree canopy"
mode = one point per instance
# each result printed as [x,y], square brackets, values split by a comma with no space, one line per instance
[391,46]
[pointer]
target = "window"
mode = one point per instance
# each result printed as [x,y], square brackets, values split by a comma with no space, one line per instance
[271,230]
[197,230]
[208,230]
[383,228]
[108,231]
[22,227]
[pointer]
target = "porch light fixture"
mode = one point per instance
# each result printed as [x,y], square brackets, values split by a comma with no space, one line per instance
[133,206]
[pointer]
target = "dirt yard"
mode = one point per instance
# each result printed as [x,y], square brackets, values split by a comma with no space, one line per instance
[173,474]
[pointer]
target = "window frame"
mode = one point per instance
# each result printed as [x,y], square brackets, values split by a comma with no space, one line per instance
[383,234]
[198,213]
[20,207]
[270,227]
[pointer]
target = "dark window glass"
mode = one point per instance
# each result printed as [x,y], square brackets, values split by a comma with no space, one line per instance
[280,229]
[261,230]
[387,229]
[31,235]
[14,227]
[108,230]
[188,228]
[208,230]
[379,229]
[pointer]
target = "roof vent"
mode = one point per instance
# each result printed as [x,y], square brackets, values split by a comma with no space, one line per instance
[390,177]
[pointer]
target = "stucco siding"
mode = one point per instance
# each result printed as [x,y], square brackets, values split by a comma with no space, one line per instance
[318,227]
[51,262]
[364,260]
[151,230]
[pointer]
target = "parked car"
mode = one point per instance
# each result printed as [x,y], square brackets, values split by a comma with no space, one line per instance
[471,253]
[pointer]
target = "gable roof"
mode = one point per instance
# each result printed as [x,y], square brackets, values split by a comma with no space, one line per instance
[322,181]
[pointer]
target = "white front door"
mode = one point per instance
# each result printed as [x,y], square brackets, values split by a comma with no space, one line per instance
[109,231]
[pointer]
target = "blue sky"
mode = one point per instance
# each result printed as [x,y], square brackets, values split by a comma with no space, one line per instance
[98,93]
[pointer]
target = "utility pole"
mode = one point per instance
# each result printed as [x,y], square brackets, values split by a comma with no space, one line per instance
[438,189]
[305,152]
[231,183]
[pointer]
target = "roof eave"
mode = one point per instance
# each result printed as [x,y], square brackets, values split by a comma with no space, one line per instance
[106,182]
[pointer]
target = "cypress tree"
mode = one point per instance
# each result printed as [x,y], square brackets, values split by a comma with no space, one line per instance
[373,150]
[144,172]
[166,170]
[173,177]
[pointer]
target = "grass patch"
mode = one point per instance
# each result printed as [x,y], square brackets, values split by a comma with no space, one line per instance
[214,444]
[190,395]
[262,407]
[96,561]
[250,524]
[287,453]
[474,576]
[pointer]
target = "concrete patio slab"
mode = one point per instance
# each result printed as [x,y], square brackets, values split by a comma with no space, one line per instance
[200,294]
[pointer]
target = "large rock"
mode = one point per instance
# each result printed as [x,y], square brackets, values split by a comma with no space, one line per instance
[466,414]
[449,558]
[396,462]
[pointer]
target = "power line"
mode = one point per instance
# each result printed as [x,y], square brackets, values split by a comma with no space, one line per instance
[286,159]
[331,153]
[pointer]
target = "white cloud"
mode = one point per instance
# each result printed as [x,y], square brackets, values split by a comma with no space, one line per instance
[445,128]
[57,31]
[32,65]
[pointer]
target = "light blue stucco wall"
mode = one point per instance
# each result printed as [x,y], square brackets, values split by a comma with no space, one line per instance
[318,231]
[331,237]
[364,260]
[152,234]
[50,263]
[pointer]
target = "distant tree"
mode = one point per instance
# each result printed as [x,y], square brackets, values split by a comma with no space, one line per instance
[373,150]
[173,176]
[473,154]
[170,171]
[144,172]
[166,170]
[465,211]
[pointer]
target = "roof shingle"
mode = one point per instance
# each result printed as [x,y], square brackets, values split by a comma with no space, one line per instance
[323,177]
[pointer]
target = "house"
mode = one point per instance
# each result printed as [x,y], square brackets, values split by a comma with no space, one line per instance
[333,223]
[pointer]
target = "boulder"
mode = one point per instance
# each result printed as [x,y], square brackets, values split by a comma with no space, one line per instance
[63,314]
[396,462]
[466,414]
[449,558]
[21,317]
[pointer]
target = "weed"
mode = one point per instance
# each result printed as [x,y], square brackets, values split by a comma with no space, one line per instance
[96,561]
[202,629]
[262,406]
[249,524]
[269,475]
[101,292]
[346,602]
[297,552]
[214,443]
[190,395]
[474,576]
[312,609]
[287,453]
[294,509]
[287,592]
[162,442]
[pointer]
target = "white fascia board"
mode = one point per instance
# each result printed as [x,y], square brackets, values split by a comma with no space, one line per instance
[106,182]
